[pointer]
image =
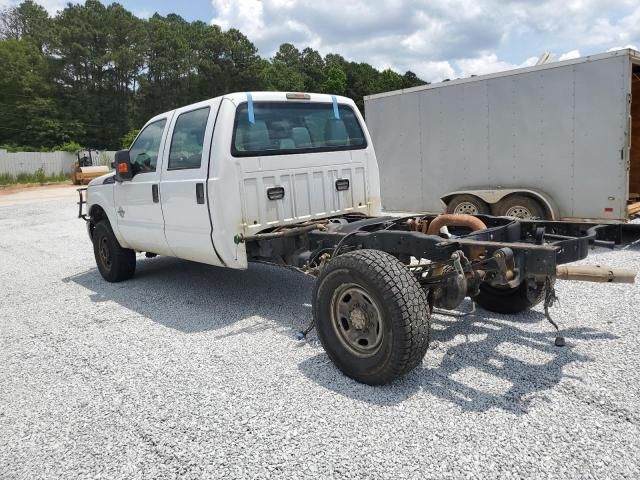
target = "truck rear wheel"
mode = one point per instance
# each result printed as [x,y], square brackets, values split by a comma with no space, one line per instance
[468,205]
[114,262]
[371,315]
[520,206]
[510,300]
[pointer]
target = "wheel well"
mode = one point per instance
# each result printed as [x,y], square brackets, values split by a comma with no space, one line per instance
[96,214]
[533,197]
[493,196]
[450,197]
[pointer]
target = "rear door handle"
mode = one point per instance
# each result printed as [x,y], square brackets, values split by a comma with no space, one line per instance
[200,193]
[155,194]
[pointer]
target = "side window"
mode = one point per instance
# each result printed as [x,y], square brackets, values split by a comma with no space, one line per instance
[188,140]
[144,151]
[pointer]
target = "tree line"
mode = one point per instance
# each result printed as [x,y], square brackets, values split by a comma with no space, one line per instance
[93,72]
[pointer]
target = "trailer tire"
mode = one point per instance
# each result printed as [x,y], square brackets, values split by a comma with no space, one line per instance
[522,207]
[510,300]
[386,333]
[468,204]
[114,262]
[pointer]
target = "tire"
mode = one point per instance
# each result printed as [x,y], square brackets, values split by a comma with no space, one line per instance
[114,262]
[468,204]
[510,300]
[373,289]
[519,206]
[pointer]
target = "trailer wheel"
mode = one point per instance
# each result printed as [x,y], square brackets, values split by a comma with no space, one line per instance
[510,300]
[371,315]
[114,262]
[468,205]
[519,206]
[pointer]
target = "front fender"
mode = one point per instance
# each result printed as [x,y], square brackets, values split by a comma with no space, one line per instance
[102,196]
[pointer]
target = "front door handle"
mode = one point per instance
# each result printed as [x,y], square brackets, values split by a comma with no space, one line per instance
[155,194]
[200,193]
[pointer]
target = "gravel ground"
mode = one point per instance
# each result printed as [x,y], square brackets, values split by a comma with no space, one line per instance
[192,371]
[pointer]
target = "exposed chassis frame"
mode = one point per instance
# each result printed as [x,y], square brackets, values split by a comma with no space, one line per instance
[538,246]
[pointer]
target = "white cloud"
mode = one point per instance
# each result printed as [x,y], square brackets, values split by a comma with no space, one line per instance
[632,47]
[51,6]
[570,55]
[488,63]
[436,39]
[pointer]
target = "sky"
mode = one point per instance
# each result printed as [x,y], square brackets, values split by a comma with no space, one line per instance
[436,39]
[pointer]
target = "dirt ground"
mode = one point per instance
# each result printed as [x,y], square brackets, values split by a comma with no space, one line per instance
[19,194]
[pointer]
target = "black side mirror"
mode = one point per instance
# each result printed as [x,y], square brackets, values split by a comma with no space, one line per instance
[123,166]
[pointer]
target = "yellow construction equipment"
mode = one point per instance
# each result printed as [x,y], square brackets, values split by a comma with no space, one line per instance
[85,168]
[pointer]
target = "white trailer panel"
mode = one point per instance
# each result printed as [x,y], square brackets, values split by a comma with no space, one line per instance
[559,130]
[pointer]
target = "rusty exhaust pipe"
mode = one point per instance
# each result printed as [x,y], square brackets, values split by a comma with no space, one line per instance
[595,273]
[456,220]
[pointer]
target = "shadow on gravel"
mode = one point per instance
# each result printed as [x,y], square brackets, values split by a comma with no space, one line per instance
[488,360]
[193,297]
[492,364]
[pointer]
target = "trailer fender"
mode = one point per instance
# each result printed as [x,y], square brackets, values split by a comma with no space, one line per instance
[493,196]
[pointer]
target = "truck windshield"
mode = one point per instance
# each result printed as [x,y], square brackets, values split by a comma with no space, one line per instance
[279,128]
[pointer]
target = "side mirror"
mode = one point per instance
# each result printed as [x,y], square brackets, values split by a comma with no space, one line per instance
[123,166]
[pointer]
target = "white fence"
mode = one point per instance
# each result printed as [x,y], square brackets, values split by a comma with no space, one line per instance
[53,163]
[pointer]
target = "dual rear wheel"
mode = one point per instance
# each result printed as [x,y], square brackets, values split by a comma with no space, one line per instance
[516,206]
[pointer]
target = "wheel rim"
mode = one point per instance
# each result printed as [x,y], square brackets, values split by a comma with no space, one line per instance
[104,252]
[357,320]
[518,211]
[466,208]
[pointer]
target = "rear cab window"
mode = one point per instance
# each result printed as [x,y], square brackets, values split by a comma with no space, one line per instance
[280,128]
[187,141]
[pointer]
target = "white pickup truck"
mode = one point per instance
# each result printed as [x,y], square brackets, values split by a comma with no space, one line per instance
[292,179]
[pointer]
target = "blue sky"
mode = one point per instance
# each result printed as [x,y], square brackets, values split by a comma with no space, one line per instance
[188,9]
[436,39]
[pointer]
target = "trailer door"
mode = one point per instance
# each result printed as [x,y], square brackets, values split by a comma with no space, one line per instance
[187,225]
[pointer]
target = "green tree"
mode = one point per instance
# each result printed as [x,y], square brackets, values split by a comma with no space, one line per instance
[279,77]
[29,114]
[336,81]
[28,21]
[128,138]
[94,71]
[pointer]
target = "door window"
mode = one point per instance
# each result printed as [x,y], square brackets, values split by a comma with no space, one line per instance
[144,151]
[188,140]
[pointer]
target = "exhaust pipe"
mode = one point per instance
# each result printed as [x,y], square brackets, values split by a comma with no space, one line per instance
[595,273]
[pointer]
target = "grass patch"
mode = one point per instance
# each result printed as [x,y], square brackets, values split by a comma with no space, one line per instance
[37,177]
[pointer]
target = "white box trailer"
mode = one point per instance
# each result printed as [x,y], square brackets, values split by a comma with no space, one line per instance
[554,141]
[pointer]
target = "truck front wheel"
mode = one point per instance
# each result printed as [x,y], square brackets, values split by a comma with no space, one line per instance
[510,300]
[371,315]
[114,262]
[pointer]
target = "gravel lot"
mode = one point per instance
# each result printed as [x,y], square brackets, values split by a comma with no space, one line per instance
[192,371]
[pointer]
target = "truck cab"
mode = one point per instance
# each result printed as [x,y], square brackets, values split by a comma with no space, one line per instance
[197,178]
[292,179]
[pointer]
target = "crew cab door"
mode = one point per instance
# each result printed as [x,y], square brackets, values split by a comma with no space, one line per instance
[187,225]
[137,202]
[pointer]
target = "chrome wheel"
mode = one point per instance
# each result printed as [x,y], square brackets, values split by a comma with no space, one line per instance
[357,320]
[519,211]
[466,208]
